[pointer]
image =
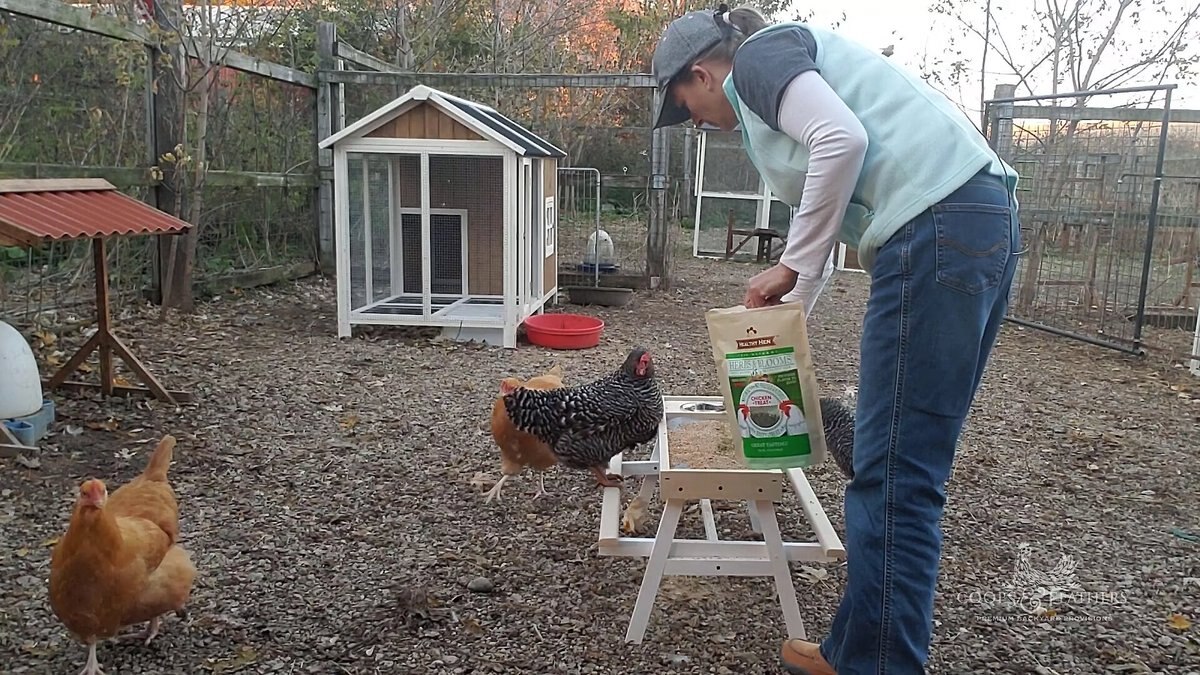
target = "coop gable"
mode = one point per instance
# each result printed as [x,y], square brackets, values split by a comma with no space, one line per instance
[424,121]
[424,113]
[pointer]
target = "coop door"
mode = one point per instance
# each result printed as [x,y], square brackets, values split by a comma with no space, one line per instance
[447,257]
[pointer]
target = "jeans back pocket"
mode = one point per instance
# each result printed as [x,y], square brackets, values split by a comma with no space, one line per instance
[973,245]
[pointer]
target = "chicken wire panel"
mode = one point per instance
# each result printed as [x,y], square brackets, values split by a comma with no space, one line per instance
[579,218]
[1087,193]
[378,200]
[376,191]
[725,168]
[730,195]
[357,212]
[466,229]
[720,222]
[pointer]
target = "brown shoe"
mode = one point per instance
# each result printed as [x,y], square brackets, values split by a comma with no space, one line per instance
[804,658]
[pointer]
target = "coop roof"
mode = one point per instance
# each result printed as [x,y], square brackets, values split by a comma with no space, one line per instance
[483,119]
[32,210]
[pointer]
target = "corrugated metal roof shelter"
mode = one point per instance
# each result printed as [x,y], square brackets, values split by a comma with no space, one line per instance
[73,208]
[33,211]
[445,214]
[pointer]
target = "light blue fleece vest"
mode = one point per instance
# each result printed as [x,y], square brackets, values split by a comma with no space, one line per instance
[920,147]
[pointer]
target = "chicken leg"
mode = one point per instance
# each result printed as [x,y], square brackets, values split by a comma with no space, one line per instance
[541,485]
[494,493]
[149,634]
[606,479]
[93,664]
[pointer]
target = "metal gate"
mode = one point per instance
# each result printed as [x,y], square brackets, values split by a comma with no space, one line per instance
[1091,183]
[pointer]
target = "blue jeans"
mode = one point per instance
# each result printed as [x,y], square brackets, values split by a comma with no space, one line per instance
[939,291]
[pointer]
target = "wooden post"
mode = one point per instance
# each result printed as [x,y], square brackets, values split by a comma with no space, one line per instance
[169,69]
[1001,117]
[330,119]
[103,314]
[155,292]
[657,235]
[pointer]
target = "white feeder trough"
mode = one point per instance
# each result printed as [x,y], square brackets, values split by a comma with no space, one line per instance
[760,490]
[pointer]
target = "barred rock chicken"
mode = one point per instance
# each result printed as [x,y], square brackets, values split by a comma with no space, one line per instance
[838,420]
[587,425]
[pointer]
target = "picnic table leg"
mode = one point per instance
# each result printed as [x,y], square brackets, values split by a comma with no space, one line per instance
[782,572]
[755,525]
[655,567]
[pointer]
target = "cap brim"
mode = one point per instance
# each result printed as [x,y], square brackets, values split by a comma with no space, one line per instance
[669,114]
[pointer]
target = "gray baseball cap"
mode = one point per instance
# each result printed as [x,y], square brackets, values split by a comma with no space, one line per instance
[684,40]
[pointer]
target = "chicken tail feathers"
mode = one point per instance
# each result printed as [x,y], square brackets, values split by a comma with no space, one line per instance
[160,461]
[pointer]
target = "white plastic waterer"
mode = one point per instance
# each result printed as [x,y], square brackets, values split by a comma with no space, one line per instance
[21,385]
[600,251]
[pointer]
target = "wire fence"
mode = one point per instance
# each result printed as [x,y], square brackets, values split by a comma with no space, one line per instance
[77,104]
[732,202]
[1110,207]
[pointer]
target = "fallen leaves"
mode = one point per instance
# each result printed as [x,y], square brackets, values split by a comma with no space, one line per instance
[301,524]
[44,339]
[813,575]
[29,462]
[1179,622]
[348,422]
[245,655]
[109,424]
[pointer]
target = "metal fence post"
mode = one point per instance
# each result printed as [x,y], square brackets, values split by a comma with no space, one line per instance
[658,250]
[1152,220]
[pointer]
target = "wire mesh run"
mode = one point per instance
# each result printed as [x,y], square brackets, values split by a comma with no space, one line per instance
[587,250]
[736,216]
[393,268]
[1107,229]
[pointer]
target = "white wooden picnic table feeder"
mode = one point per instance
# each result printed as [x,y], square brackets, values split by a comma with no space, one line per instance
[761,490]
[444,215]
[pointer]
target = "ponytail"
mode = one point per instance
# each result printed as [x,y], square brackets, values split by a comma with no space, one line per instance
[747,20]
[736,25]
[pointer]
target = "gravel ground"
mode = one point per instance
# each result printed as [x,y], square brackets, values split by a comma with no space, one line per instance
[326,494]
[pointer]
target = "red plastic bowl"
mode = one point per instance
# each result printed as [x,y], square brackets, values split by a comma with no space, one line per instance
[564,331]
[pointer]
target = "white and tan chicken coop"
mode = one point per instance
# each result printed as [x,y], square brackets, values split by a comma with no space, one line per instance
[444,215]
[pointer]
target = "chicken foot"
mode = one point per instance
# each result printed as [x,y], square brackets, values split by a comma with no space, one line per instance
[92,667]
[494,493]
[541,486]
[149,634]
[606,479]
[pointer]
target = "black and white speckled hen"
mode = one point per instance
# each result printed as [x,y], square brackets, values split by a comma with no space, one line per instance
[587,425]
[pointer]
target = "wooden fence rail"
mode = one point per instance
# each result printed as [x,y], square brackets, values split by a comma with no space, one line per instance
[78,18]
[132,176]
